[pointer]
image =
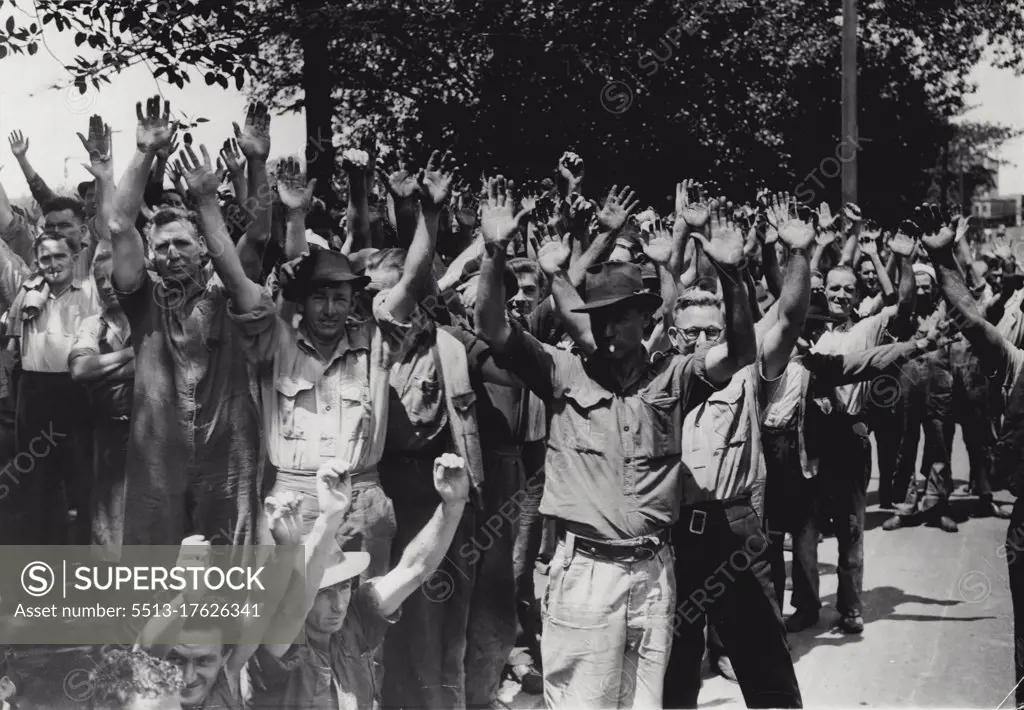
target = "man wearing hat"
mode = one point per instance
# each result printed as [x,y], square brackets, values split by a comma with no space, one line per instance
[347,619]
[613,463]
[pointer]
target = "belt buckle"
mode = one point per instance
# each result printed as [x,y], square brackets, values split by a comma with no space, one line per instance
[697,522]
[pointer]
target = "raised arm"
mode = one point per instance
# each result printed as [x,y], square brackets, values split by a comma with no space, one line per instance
[234,162]
[154,132]
[254,142]
[725,251]
[552,256]
[426,551]
[297,197]
[986,342]
[203,182]
[434,189]
[836,370]
[15,231]
[101,167]
[41,192]
[793,301]
[402,187]
[611,219]
[359,165]
[499,224]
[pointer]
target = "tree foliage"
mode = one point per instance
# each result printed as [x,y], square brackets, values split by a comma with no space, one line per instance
[648,91]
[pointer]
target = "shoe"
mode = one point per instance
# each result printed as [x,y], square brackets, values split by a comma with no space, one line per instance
[530,679]
[893,523]
[851,624]
[723,667]
[948,524]
[991,509]
[884,504]
[787,543]
[964,489]
[801,619]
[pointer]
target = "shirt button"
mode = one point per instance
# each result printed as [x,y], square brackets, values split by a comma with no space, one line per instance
[625,428]
[328,407]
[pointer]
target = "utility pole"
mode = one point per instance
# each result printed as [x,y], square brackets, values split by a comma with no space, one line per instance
[850,133]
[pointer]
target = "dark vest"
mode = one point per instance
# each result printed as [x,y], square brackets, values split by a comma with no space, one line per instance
[1009,449]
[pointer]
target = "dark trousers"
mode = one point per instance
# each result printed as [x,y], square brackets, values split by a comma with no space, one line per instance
[844,470]
[110,446]
[974,409]
[425,651]
[491,634]
[887,425]
[1015,567]
[723,577]
[791,503]
[53,465]
[529,534]
[913,404]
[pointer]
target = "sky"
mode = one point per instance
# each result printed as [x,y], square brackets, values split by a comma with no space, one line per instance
[50,117]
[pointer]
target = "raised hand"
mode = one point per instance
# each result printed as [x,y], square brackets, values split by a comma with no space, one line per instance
[963,226]
[397,176]
[283,513]
[796,234]
[694,213]
[901,244]
[936,233]
[231,155]
[497,220]
[570,169]
[725,247]
[658,247]
[200,176]
[617,208]
[435,182]
[195,552]
[467,211]
[334,487]
[292,188]
[155,131]
[553,253]
[18,143]
[826,220]
[451,479]
[254,137]
[98,142]
[869,246]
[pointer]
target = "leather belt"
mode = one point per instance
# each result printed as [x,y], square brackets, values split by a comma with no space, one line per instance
[632,550]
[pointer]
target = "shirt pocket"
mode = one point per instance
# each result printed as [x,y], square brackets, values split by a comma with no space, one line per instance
[355,413]
[661,424]
[582,426]
[294,396]
[423,399]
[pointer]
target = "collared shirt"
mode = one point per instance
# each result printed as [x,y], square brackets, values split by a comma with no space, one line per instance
[865,334]
[781,409]
[870,305]
[722,439]
[106,332]
[316,410]
[613,462]
[341,679]
[418,417]
[48,338]
[1011,325]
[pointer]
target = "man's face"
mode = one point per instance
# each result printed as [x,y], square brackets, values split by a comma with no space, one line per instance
[55,261]
[329,608]
[326,310]
[869,277]
[528,296]
[841,291]
[817,285]
[200,657]
[170,198]
[995,276]
[89,201]
[695,326]
[67,224]
[925,293]
[177,250]
[618,331]
[167,702]
[102,272]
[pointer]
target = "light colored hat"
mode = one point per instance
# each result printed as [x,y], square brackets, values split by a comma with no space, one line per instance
[315,240]
[352,565]
[926,269]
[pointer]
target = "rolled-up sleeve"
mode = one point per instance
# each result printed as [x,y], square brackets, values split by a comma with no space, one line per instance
[396,336]
[87,341]
[18,236]
[260,328]
[692,373]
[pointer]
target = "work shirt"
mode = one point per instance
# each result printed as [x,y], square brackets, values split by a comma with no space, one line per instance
[1011,325]
[315,410]
[862,335]
[106,332]
[417,423]
[613,461]
[195,413]
[47,338]
[342,678]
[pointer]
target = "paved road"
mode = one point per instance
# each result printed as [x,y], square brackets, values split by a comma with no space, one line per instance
[938,621]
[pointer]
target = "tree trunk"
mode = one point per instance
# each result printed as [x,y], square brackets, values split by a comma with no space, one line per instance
[318,90]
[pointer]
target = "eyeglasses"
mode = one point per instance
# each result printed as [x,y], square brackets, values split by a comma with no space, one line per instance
[691,334]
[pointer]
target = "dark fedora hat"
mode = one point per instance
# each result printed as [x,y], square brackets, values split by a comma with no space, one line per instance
[83,187]
[321,267]
[613,283]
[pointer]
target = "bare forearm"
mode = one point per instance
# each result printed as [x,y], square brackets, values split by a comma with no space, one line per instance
[406,219]
[907,302]
[490,302]
[428,548]
[260,201]
[240,186]
[295,237]
[576,324]
[795,298]
[357,221]
[884,282]
[244,293]
[739,321]
[130,192]
[6,211]
[86,368]
[41,192]
[591,256]
[419,263]
[772,271]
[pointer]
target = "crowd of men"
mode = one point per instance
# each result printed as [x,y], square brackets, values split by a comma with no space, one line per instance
[446,383]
